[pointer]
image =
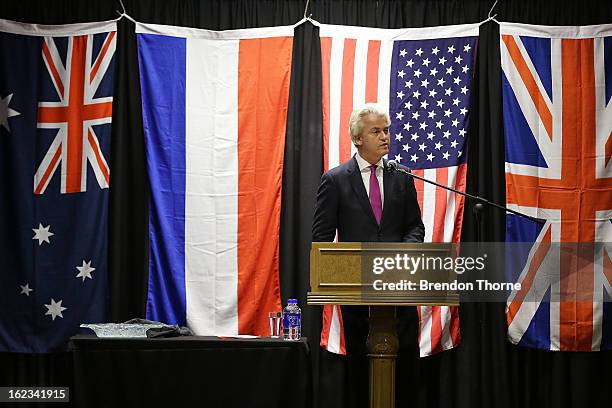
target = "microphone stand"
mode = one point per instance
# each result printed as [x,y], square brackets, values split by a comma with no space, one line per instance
[478,207]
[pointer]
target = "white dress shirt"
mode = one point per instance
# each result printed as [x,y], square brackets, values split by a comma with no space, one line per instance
[364,168]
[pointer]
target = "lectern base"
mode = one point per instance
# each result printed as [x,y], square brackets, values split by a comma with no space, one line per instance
[383,344]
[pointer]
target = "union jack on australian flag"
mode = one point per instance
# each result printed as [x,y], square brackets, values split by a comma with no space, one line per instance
[56,92]
[557,93]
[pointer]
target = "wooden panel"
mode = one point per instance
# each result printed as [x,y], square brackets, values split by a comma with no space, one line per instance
[336,275]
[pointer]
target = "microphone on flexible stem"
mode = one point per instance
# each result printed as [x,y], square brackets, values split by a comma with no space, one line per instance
[393,166]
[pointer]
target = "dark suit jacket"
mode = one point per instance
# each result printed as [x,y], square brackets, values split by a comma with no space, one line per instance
[343,204]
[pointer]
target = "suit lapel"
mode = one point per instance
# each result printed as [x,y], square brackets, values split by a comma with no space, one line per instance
[387,184]
[359,189]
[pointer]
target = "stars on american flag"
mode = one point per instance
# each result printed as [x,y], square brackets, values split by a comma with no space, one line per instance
[431,120]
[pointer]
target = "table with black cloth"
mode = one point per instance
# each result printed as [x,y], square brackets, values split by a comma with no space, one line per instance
[190,371]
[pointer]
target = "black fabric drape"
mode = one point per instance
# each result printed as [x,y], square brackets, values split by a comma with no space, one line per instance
[485,370]
[302,168]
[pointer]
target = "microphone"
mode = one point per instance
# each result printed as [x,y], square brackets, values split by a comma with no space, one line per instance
[392,166]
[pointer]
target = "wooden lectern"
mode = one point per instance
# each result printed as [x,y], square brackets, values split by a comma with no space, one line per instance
[342,274]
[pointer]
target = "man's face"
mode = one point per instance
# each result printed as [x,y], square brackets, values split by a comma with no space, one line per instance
[374,140]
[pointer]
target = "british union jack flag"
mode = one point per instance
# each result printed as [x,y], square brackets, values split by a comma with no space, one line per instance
[557,90]
[77,109]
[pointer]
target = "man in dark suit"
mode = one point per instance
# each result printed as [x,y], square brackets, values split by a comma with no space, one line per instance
[344,199]
[365,202]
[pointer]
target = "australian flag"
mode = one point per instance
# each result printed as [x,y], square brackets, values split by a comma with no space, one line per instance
[56,93]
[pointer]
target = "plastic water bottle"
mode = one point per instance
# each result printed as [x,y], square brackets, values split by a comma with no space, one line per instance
[292,321]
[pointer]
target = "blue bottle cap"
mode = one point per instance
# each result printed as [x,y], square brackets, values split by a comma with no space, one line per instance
[292,301]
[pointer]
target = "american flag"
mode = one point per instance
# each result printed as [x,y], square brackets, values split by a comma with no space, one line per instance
[58,91]
[557,93]
[424,77]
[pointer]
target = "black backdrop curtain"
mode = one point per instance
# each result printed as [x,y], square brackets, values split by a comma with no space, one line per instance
[485,370]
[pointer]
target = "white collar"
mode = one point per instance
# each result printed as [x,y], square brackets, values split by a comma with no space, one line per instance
[364,164]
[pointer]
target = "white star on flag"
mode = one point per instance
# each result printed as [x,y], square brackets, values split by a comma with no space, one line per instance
[6,112]
[55,309]
[85,270]
[42,234]
[25,290]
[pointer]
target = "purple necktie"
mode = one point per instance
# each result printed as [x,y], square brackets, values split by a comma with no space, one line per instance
[375,200]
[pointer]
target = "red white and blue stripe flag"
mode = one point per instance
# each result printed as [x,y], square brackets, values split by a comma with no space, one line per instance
[424,77]
[214,110]
[557,105]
